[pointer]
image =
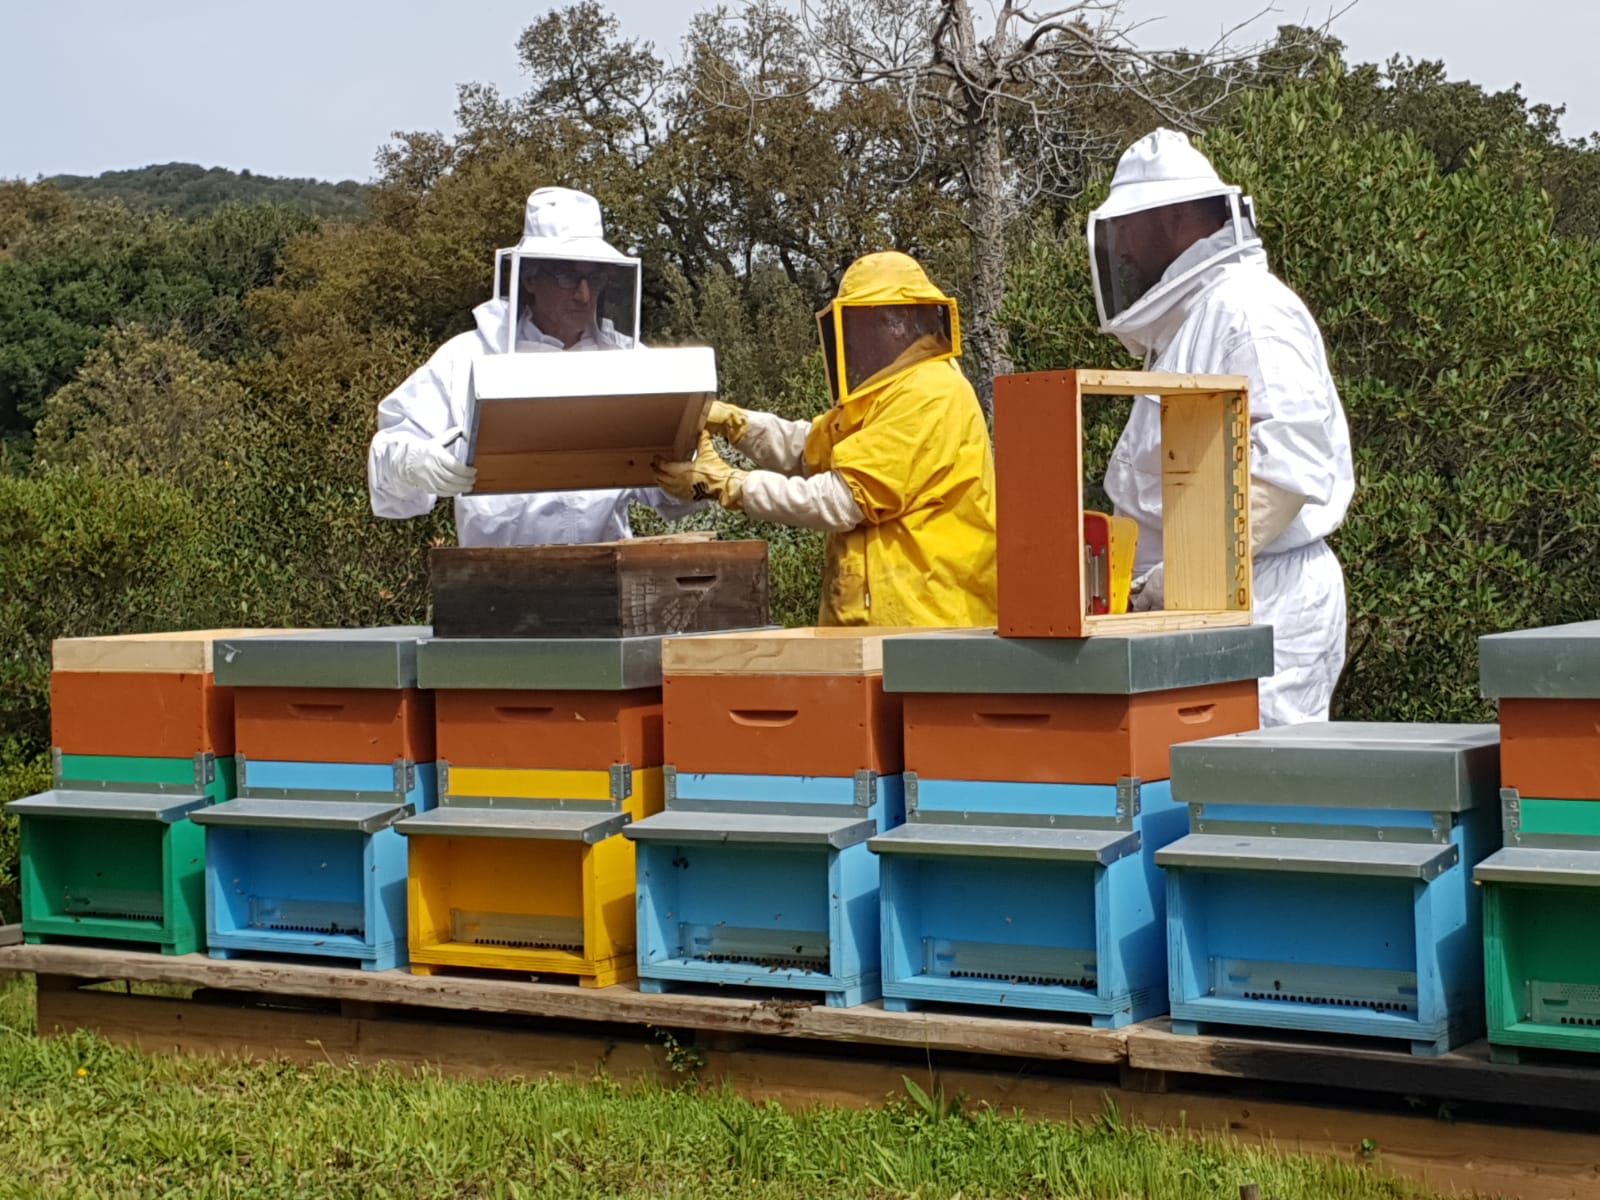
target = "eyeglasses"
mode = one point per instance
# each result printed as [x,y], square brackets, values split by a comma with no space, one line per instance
[568,279]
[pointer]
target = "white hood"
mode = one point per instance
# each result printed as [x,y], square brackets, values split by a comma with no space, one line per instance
[1148,327]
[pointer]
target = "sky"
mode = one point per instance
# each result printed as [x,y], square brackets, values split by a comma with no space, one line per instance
[312,88]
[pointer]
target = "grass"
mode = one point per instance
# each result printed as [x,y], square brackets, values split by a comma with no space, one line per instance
[80,1117]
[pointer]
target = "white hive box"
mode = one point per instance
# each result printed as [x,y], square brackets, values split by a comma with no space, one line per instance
[563,422]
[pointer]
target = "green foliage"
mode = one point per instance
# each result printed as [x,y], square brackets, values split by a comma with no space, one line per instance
[1464,340]
[1457,120]
[71,271]
[83,1117]
[147,405]
[187,190]
[82,554]
[18,778]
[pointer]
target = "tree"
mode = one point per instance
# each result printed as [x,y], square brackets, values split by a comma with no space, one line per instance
[150,406]
[1011,113]
[72,270]
[189,191]
[1455,119]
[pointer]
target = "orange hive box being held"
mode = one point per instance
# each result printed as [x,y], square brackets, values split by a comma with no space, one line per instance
[1046,579]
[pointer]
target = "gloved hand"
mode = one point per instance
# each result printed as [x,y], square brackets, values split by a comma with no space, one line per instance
[1145,593]
[708,477]
[727,420]
[428,466]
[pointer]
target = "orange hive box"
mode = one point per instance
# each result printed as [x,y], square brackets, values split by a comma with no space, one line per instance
[140,714]
[553,730]
[1205,484]
[334,725]
[141,695]
[781,702]
[1067,738]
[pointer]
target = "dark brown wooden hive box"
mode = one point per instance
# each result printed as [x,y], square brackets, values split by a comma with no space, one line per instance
[639,588]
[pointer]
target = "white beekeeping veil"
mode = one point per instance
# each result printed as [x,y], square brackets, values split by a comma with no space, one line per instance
[563,235]
[1133,279]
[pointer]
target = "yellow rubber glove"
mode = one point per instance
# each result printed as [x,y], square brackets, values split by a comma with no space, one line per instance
[727,420]
[708,477]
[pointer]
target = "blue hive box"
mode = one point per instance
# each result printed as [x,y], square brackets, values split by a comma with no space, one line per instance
[307,862]
[1041,895]
[764,881]
[1326,881]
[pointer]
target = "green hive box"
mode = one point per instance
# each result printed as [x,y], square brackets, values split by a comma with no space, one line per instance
[109,853]
[1541,894]
[1541,905]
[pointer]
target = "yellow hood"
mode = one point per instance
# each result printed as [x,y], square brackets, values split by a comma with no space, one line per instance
[884,279]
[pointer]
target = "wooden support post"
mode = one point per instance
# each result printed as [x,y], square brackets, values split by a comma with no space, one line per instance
[1137,1079]
[62,983]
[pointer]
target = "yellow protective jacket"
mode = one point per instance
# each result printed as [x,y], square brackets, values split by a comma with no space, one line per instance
[914,451]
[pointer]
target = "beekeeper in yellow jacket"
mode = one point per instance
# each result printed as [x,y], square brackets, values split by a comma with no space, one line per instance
[899,472]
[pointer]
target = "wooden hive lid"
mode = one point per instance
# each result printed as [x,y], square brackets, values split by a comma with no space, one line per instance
[840,650]
[186,651]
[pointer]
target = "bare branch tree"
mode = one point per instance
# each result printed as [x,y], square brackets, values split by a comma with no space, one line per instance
[1008,110]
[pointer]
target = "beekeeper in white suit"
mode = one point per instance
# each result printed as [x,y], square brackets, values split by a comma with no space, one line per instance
[574,291]
[1181,279]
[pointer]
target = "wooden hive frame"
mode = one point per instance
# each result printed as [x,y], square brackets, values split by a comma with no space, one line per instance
[1205,485]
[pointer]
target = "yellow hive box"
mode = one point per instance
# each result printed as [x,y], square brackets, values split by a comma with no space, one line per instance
[527,871]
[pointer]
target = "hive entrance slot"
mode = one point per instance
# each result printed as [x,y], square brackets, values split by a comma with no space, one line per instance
[774,949]
[330,917]
[516,931]
[997,962]
[1372,988]
[1550,1003]
[117,904]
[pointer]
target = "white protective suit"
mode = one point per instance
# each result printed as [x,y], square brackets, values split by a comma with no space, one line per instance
[560,224]
[1233,317]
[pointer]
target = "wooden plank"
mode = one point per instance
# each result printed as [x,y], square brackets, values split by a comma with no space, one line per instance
[1194,503]
[1534,1164]
[623,1003]
[10,935]
[178,652]
[1118,624]
[1038,451]
[159,1025]
[621,589]
[1149,383]
[1466,1075]
[848,650]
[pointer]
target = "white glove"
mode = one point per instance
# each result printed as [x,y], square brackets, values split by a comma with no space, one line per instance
[1146,591]
[428,466]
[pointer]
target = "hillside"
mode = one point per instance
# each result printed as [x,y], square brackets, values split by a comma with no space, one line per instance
[189,190]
